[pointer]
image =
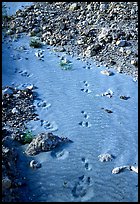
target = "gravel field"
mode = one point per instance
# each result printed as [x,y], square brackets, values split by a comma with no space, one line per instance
[106,31]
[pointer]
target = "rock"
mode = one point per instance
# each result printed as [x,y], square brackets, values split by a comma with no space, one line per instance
[14,110]
[134,62]
[134,168]
[120,69]
[128,52]
[107,72]
[105,157]
[120,169]
[73,7]
[6,183]
[34,164]
[108,93]
[103,6]
[103,34]
[121,43]
[92,50]
[44,142]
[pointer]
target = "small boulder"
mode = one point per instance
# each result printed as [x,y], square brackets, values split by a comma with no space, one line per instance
[105,157]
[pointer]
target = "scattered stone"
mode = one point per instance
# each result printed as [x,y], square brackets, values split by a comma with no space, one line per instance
[107,72]
[108,93]
[73,7]
[120,169]
[134,168]
[105,157]
[34,164]
[121,43]
[134,62]
[36,43]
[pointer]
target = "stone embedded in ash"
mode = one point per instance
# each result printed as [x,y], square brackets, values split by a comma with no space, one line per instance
[73,7]
[107,72]
[34,164]
[121,43]
[44,142]
[105,157]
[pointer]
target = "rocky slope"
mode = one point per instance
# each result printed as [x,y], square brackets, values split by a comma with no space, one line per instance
[105,31]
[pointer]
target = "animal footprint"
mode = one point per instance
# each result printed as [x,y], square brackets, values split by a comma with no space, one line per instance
[24,73]
[86,90]
[43,104]
[85,124]
[86,83]
[87,165]
[85,114]
[49,126]
[83,189]
[60,155]
[87,67]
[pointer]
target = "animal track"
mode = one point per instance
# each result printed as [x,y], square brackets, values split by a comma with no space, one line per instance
[87,67]
[85,114]
[85,123]
[87,165]
[85,89]
[25,73]
[52,126]
[43,104]
[83,188]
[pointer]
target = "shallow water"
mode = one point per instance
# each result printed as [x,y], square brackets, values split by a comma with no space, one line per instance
[74,172]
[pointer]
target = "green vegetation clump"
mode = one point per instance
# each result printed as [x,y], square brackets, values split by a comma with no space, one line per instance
[35,42]
[65,64]
[27,137]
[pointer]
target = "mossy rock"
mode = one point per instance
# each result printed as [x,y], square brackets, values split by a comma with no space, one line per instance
[27,137]
[36,43]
